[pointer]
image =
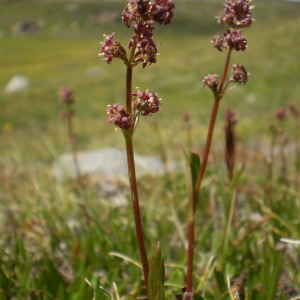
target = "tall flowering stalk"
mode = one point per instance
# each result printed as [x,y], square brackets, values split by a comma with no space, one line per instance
[141,15]
[67,98]
[236,15]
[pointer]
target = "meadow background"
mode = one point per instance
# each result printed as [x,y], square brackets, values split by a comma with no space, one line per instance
[53,235]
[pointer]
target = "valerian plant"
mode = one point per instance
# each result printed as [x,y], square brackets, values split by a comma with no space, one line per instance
[141,16]
[67,99]
[236,15]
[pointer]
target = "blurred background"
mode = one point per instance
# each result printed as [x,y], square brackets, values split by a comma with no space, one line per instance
[49,44]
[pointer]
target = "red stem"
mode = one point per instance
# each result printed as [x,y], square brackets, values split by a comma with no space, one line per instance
[136,207]
[72,142]
[191,225]
[128,135]
[129,89]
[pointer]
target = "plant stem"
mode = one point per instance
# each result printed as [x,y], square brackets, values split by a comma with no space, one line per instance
[218,96]
[191,225]
[136,206]
[129,89]
[72,142]
[128,135]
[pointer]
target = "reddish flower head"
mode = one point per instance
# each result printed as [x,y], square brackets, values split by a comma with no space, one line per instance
[239,74]
[280,114]
[211,81]
[235,39]
[162,11]
[237,14]
[111,49]
[219,42]
[119,116]
[146,102]
[139,11]
[146,50]
[66,95]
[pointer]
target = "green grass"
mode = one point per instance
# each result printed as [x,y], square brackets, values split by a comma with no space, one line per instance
[54,236]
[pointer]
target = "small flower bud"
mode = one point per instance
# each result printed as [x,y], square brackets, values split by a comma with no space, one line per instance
[66,95]
[280,114]
[111,49]
[219,42]
[211,81]
[293,110]
[239,74]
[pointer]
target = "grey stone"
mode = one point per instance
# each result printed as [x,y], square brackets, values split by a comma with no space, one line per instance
[17,83]
[109,167]
[107,163]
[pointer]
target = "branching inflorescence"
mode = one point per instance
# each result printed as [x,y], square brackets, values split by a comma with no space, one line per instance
[141,15]
[236,15]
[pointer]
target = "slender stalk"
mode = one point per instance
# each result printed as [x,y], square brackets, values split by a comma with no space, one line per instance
[191,225]
[190,253]
[128,135]
[136,206]
[73,147]
[129,89]
[213,116]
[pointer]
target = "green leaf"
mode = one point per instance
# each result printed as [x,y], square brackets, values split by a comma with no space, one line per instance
[195,167]
[274,274]
[192,166]
[252,283]
[156,276]
[220,277]
[130,297]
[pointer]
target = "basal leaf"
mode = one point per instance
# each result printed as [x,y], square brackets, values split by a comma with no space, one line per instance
[156,276]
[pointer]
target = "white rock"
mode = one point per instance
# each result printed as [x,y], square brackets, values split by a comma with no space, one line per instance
[17,83]
[107,163]
[110,166]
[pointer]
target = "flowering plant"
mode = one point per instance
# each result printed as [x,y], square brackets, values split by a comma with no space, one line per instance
[141,15]
[237,14]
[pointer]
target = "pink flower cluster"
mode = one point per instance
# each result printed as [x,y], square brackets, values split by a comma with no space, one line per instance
[237,14]
[239,74]
[111,49]
[140,14]
[146,102]
[119,116]
[66,95]
[140,11]
[231,38]
[143,103]
[67,98]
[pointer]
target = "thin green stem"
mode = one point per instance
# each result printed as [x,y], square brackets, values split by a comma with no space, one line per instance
[191,225]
